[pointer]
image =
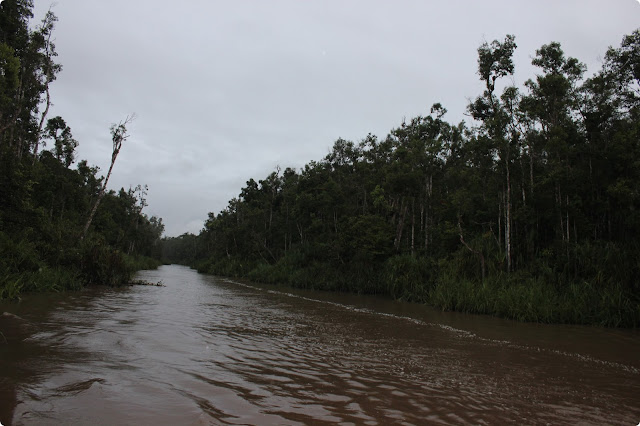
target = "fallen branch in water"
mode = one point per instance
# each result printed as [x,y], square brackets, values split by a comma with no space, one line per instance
[141,282]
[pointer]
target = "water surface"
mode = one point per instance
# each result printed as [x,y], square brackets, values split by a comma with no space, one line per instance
[207,350]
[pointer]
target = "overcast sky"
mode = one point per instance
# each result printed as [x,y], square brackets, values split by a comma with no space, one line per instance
[227,91]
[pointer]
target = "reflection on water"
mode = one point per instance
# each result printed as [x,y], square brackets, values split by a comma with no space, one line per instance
[205,350]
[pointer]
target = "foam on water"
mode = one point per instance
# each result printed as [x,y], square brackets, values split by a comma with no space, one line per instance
[457,331]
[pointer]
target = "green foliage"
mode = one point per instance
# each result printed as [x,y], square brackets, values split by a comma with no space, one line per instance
[365,238]
[9,78]
[409,278]
[229,267]
[103,265]
[65,145]
[530,213]
[43,280]
[282,272]
[535,300]
[43,201]
[495,60]
[23,269]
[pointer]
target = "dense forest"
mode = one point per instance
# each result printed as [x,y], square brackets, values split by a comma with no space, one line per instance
[60,228]
[530,211]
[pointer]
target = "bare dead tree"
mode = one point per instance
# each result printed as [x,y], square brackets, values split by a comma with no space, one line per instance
[118,136]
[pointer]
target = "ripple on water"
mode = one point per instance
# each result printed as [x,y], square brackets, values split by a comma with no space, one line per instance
[203,350]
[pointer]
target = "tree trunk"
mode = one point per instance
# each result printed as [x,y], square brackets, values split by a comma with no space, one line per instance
[97,203]
[118,136]
[507,207]
[413,227]
[427,219]
[507,235]
[44,115]
[422,230]
[300,232]
[531,168]
[399,228]
[559,204]
[476,252]
[501,201]
[568,227]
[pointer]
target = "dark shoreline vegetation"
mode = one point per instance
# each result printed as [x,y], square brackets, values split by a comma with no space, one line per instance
[60,229]
[531,212]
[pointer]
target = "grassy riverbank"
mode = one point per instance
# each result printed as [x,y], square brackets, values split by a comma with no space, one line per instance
[517,296]
[24,269]
[533,300]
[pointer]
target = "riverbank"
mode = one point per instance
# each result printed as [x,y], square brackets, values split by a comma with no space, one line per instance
[521,297]
[23,269]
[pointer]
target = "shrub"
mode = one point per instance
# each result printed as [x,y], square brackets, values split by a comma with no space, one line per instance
[408,278]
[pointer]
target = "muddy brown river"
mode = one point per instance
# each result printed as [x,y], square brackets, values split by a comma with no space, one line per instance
[208,350]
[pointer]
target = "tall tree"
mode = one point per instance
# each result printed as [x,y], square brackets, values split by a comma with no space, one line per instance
[495,60]
[553,103]
[21,124]
[49,68]
[118,136]
[64,143]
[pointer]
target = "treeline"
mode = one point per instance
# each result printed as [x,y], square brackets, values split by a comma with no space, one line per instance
[530,212]
[45,204]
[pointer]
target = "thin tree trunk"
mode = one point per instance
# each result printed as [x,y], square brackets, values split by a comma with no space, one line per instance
[118,136]
[476,252]
[97,203]
[568,227]
[531,168]
[422,230]
[300,232]
[41,125]
[399,228]
[364,201]
[427,219]
[500,221]
[559,203]
[413,227]
[508,218]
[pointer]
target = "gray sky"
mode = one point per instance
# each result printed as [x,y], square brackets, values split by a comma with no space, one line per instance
[227,91]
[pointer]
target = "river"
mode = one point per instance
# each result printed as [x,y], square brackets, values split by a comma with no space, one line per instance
[208,350]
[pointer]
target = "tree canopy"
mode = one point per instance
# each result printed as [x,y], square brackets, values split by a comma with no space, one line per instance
[45,203]
[529,211]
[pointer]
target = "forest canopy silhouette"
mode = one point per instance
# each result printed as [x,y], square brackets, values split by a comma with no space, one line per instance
[528,211]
